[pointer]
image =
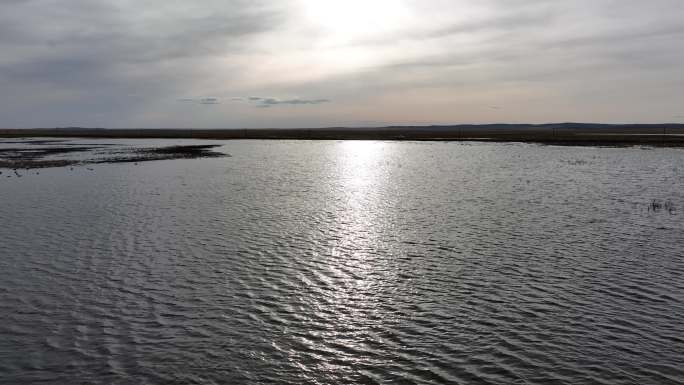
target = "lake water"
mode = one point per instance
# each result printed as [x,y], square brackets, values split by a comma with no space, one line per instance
[348,262]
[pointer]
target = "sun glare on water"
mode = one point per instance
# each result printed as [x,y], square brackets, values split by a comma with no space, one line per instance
[350,19]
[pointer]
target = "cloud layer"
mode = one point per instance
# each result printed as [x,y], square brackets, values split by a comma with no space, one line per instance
[129,63]
[268,102]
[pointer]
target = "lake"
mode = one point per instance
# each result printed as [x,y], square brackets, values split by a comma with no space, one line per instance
[339,262]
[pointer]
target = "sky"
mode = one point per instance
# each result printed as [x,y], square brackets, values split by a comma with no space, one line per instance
[320,63]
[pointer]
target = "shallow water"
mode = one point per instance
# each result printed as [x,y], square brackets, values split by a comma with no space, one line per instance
[348,262]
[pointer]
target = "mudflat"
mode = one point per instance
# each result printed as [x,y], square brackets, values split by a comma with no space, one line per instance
[29,154]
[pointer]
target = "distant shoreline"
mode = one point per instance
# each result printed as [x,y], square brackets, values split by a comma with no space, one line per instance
[562,133]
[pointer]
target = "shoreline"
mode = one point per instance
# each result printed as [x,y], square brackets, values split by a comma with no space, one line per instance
[563,134]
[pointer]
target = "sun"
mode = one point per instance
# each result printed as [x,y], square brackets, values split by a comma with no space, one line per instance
[352,19]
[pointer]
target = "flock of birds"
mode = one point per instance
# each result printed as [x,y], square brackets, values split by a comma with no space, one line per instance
[18,175]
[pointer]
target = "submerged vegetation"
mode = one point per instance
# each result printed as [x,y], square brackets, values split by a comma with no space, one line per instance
[657,205]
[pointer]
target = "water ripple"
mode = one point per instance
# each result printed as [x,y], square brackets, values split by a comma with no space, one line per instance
[348,262]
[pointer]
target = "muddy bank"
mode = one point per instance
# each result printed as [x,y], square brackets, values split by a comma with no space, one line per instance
[166,153]
[42,154]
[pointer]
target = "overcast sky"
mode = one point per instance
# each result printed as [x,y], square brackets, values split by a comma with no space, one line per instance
[309,63]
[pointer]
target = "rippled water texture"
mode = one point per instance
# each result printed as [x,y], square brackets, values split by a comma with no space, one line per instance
[348,262]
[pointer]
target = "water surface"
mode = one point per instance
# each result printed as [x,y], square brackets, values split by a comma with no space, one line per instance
[347,262]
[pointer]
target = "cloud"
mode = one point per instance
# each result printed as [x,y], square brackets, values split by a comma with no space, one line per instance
[60,58]
[206,101]
[258,101]
[268,102]
[116,63]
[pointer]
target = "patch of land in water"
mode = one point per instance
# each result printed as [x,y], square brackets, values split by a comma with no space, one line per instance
[561,133]
[165,153]
[40,154]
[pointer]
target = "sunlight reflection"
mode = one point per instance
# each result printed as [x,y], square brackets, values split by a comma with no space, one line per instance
[362,165]
[356,262]
[361,217]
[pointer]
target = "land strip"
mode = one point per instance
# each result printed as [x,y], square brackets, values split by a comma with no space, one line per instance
[563,133]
